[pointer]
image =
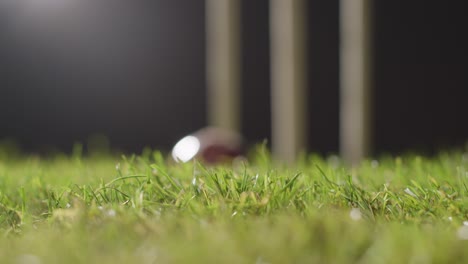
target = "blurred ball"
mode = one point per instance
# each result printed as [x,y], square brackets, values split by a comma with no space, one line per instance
[210,145]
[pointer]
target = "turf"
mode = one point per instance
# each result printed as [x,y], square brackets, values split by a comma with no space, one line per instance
[147,209]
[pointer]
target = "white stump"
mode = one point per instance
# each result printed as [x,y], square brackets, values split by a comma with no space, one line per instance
[355,79]
[287,18]
[223,63]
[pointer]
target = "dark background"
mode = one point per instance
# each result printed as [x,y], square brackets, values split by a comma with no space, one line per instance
[135,72]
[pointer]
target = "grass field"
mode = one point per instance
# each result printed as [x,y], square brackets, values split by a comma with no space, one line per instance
[146,209]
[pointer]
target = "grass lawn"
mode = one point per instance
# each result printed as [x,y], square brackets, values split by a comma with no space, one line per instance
[146,209]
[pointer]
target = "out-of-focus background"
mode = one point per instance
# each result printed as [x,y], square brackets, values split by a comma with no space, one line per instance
[134,71]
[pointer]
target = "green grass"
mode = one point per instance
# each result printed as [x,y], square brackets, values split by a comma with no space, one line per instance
[146,209]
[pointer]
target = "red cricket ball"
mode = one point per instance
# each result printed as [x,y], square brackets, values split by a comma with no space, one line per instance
[210,145]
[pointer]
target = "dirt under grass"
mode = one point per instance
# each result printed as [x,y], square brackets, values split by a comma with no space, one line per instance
[145,209]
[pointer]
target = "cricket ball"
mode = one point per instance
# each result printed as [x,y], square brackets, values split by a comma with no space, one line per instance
[210,145]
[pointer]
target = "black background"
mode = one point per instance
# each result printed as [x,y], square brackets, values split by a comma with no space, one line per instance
[135,72]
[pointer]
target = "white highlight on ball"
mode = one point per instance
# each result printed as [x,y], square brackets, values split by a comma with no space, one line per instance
[186,149]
